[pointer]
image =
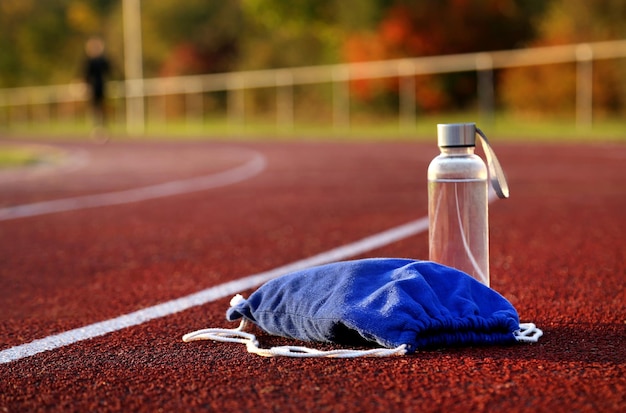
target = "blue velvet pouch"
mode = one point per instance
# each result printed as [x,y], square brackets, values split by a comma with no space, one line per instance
[385,301]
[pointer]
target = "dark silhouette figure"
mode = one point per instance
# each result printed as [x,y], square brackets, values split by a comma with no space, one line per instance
[96,71]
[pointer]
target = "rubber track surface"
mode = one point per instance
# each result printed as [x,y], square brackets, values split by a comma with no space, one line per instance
[557,253]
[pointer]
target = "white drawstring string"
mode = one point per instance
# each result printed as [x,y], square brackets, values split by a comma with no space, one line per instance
[528,333]
[237,335]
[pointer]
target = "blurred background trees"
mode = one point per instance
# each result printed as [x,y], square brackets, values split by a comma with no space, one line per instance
[410,28]
[552,88]
[42,42]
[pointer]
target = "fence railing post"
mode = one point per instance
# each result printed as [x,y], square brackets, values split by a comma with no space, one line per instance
[194,102]
[584,86]
[341,97]
[485,86]
[406,71]
[284,100]
[236,101]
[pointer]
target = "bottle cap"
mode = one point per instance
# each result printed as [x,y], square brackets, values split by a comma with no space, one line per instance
[464,135]
[456,134]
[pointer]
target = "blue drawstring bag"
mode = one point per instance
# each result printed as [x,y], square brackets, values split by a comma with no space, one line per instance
[400,304]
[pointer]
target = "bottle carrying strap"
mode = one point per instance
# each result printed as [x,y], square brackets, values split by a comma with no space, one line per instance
[496,174]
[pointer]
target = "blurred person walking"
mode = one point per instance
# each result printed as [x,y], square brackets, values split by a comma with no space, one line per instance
[97,69]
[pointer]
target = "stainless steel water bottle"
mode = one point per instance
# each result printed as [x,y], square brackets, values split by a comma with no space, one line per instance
[458,200]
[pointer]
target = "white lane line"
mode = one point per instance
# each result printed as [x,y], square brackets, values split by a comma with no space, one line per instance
[210,294]
[249,169]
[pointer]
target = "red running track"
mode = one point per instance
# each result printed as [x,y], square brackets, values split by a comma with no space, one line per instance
[557,253]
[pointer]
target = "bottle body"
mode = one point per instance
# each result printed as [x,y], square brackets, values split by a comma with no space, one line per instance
[458,211]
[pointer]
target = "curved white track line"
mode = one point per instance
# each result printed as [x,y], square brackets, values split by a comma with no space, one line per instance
[251,168]
[210,294]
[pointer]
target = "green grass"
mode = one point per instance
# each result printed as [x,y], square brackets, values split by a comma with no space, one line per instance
[11,157]
[15,155]
[501,127]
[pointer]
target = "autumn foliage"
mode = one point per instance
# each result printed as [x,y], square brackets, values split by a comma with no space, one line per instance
[41,43]
[416,29]
[551,89]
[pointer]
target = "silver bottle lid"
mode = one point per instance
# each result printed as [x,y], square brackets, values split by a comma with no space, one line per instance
[456,134]
[464,134]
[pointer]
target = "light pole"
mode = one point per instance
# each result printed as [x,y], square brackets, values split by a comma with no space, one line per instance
[133,66]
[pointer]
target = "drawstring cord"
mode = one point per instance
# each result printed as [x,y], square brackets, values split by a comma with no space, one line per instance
[237,335]
[528,333]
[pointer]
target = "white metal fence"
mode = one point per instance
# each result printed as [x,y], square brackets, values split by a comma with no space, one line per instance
[15,102]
